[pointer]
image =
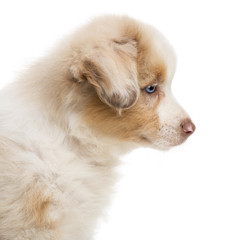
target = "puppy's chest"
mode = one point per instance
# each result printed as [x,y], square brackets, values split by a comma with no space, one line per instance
[81,181]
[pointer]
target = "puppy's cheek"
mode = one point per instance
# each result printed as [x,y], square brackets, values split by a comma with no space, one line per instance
[137,124]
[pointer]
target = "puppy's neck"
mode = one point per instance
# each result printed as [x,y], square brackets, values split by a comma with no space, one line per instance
[99,149]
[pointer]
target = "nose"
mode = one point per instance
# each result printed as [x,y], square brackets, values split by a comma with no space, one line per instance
[187,126]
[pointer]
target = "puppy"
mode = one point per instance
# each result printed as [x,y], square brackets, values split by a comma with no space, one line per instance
[102,92]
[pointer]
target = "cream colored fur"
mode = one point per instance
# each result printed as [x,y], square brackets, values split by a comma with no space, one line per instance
[56,170]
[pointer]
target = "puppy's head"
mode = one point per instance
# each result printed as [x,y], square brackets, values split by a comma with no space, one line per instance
[125,69]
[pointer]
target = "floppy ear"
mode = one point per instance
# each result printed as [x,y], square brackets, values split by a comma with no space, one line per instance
[112,71]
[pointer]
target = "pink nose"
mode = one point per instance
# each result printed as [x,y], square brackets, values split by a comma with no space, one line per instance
[187,126]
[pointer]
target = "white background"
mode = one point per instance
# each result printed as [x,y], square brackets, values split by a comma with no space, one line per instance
[186,193]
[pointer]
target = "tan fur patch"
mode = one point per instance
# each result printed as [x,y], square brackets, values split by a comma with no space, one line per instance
[37,202]
[130,125]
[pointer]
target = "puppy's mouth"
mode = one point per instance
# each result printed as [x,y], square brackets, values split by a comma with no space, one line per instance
[163,141]
[145,139]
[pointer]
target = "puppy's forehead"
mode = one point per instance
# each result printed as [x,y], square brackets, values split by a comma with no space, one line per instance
[152,71]
[166,53]
[157,64]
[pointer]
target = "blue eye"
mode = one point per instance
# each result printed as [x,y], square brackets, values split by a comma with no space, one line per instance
[151,89]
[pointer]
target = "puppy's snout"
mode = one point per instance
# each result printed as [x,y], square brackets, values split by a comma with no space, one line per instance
[188,127]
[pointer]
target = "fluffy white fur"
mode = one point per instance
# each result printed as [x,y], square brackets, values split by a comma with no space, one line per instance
[56,170]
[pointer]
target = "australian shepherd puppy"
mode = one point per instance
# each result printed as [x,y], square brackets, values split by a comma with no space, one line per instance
[102,92]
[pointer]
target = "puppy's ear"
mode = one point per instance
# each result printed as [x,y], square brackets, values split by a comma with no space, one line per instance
[112,71]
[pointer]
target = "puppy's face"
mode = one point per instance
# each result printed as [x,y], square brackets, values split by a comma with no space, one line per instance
[127,81]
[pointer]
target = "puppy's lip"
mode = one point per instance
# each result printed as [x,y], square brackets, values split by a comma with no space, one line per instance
[168,144]
[145,139]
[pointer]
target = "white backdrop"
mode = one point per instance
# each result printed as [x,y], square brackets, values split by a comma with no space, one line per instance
[188,192]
